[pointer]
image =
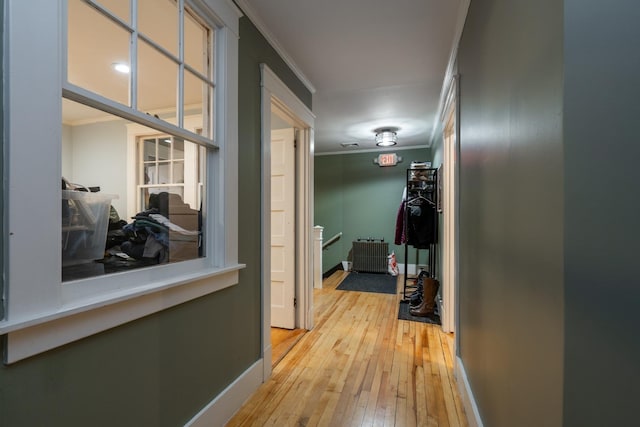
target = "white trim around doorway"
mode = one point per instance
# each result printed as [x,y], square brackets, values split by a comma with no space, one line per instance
[450,150]
[276,93]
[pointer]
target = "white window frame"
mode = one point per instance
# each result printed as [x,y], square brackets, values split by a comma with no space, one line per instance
[134,133]
[156,167]
[190,181]
[41,312]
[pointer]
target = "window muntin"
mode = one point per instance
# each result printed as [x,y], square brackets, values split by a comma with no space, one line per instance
[166,167]
[119,8]
[170,180]
[160,53]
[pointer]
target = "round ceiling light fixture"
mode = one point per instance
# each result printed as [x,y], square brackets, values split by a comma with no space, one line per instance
[386,137]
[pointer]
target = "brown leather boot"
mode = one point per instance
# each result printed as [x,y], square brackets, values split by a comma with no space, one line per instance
[428,306]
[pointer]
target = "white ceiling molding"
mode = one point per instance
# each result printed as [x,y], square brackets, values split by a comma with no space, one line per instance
[273,41]
[449,74]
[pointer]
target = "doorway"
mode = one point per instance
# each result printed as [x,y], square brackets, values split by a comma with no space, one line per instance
[450,211]
[292,303]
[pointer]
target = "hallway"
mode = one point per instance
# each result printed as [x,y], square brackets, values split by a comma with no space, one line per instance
[360,366]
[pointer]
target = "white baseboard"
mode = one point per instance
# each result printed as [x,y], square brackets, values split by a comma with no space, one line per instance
[220,410]
[468,401]
[268,353]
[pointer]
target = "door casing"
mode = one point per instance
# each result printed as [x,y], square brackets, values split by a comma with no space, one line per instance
[450,210]
[276,96]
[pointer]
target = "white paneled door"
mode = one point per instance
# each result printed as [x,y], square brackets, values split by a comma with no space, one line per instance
[283,228]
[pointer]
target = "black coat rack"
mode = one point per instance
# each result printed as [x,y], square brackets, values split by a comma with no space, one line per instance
[420,220]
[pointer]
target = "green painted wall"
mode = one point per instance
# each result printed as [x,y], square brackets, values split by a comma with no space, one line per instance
[602,288]
[355,196]
[162,369]
[2,297]
[548,227]
[157,371]
[511,298]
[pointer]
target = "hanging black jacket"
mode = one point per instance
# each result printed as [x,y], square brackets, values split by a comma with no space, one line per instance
[421,223]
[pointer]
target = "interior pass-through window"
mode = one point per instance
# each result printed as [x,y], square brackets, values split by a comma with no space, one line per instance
[120,135]
[137,129]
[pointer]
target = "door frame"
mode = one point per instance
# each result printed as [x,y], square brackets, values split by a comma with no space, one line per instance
[450,148]
[277,96]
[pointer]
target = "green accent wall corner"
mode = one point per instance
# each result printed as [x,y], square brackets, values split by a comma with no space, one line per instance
[355,196]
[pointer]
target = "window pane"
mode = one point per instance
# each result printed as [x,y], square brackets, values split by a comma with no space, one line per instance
[150,174]
[157,83]
[164,173]
[196,101]
[178,149]
[100,232]
[196,44]
[164,149]
[150,150]
[178,172]
[119,8]
[158,20]
[95,44]
[182,235]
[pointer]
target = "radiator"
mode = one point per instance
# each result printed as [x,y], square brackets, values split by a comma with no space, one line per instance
[370,257]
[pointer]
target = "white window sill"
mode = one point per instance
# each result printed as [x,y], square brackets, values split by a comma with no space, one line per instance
[28,337]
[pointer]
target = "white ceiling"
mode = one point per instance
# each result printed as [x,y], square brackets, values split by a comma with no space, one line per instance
[372,63]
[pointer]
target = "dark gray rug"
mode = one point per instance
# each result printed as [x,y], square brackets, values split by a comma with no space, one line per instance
[403,314]
[369,282]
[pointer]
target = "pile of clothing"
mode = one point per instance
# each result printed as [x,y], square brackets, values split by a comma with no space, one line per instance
[168,231]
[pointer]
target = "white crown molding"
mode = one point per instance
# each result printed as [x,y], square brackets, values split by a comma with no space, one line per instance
[449,74]
[273,41]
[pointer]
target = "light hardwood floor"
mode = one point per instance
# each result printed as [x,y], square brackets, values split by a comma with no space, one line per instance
[282,340]
[360,366]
